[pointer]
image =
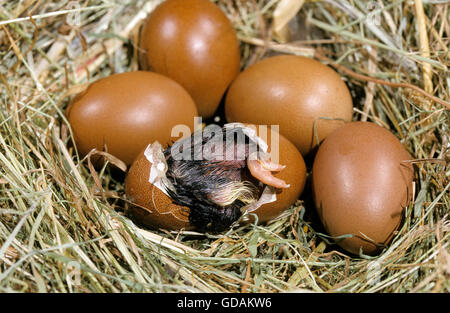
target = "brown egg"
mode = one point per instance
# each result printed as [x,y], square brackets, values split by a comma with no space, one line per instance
[361,183]
[297,93]
[153,208]
[123,113]
[194,43]
[294,174]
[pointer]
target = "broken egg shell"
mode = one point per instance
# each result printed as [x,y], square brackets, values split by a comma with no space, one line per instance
[152,207]
[124,112]
[298,93]
[194,43]
[362,181]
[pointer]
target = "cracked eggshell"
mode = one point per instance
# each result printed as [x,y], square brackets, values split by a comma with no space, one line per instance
[294,174]
[151,206]
[194,43]
[293,92]
[362,181]
[123,113]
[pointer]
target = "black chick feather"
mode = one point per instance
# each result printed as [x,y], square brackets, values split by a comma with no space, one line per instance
[214,186]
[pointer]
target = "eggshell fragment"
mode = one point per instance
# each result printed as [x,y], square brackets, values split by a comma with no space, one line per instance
[362,181]
[303,96]
[151,206]
[123,113]
[194,43]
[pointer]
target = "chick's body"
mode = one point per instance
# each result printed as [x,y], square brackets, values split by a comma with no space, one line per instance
[208,174]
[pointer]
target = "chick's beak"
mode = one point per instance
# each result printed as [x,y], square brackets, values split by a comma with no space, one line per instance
[262,170]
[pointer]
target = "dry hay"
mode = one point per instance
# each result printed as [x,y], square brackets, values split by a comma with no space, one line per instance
[63,225]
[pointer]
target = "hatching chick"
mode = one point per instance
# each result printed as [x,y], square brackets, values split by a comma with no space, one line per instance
[217,173]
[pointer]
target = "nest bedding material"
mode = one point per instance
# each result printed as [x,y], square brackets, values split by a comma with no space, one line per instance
[63,224]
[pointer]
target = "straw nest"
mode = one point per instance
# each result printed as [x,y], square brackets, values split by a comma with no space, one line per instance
[64,227]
